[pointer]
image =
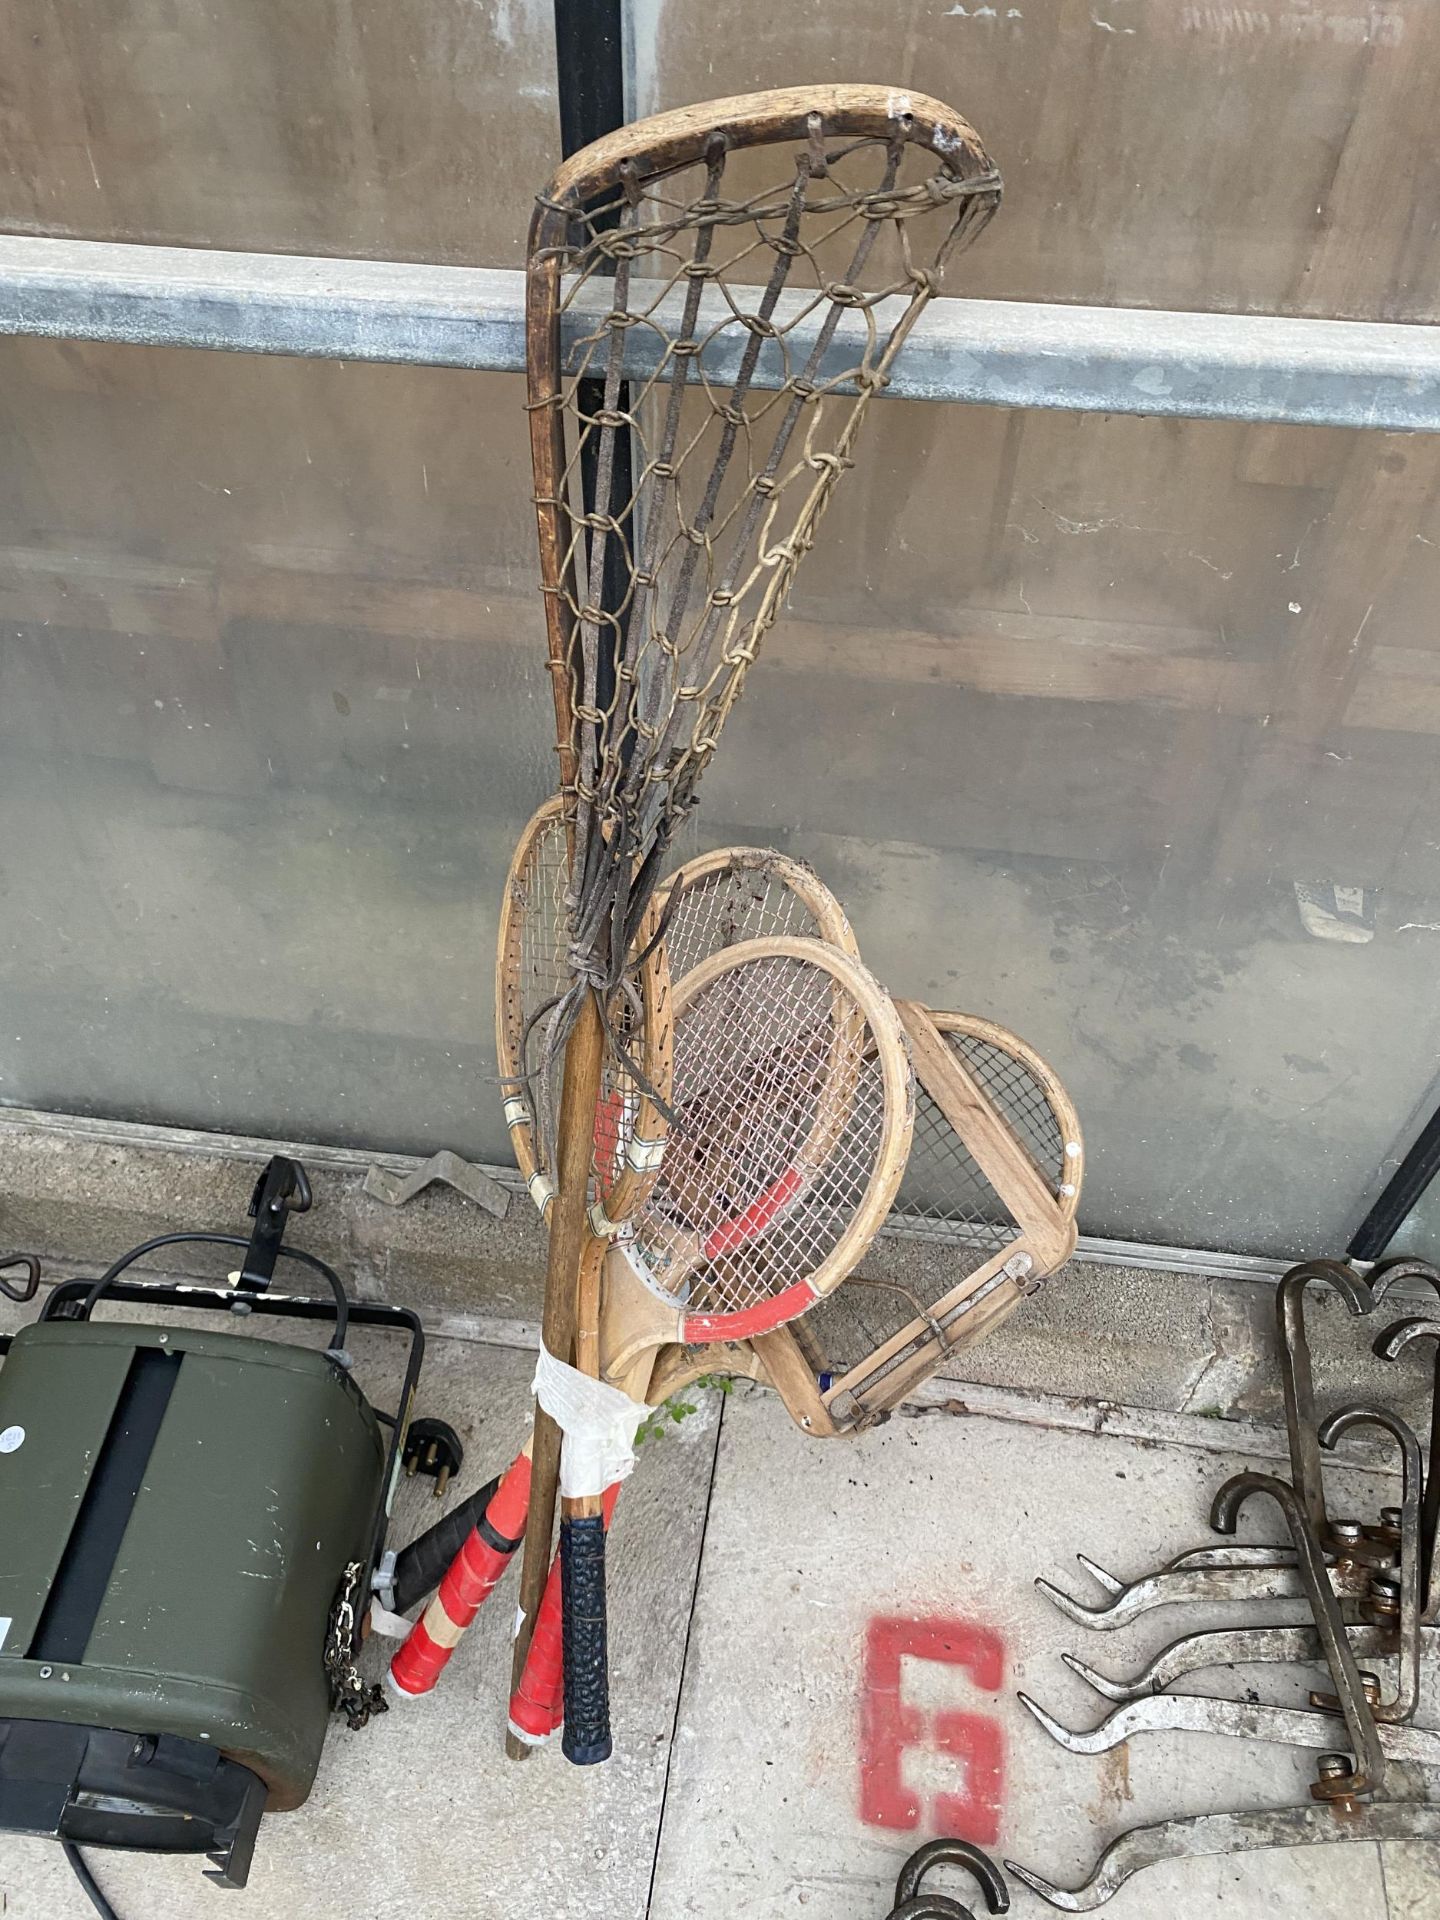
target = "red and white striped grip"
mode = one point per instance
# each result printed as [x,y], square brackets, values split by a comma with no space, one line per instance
[472,1577]
[537,1706]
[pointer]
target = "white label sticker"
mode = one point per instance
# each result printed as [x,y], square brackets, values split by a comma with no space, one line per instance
[4,1630]
[12,1439]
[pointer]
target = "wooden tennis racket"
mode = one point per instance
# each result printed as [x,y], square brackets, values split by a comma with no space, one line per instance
[993,1184]
[792,1116]
[531,978]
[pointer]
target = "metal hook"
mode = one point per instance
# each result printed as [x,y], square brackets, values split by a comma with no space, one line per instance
[1383,1275]
[1369,1775]
[1297,1377]
[1407,1693]
[1303,1727]
[1388,1346]
[912,1904]
[30,1286]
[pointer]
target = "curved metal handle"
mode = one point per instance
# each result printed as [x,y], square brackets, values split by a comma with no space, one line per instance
[931,1906]
[31,1284]
[1383,1275]
[1389,1345]
[912,1904]
[1298,1380]
[1369,1775]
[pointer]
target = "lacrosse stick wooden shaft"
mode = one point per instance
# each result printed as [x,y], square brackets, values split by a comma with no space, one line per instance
[569,1233]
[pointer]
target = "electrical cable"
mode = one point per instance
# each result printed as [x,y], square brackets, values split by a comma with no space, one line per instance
[87,1881]
[337,1287]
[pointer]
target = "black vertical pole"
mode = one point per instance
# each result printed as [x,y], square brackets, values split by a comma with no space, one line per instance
[1401,1196]
[589,57]
[590,73]
[590,66]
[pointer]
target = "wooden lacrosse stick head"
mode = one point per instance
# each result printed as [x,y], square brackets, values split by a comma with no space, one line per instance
[994,1181]
[775,311]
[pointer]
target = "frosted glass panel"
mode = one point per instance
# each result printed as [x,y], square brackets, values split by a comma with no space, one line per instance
[1120,732]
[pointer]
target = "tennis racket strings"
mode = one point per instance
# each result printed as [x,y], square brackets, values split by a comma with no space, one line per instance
[792,1111]
[746,893]
[986,1211]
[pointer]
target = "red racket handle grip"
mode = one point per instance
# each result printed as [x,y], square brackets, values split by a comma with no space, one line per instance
[537,1704]
[472,1577]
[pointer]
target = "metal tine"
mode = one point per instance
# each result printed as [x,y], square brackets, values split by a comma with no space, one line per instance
[1187,1585]
[1208,1834]
[1230,1647]
[1237,1554]
[1297,1377]
[1234,1555]
[1109,1581]
[1407,1693]
[1389,1346]
[1306,1727]
[1369,1773]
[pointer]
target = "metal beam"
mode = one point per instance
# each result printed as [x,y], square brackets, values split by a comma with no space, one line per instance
[989,352]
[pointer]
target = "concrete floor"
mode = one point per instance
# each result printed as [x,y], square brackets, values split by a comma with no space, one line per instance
[766,1592]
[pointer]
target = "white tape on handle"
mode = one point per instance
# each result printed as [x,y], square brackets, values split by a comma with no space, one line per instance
[599,1423]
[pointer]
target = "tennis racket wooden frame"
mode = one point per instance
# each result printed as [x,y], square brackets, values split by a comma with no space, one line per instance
[832,924]
[635,1317]
[1046,1220]
[646,1138]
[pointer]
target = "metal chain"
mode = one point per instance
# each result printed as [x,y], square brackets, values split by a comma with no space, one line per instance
[349,1694]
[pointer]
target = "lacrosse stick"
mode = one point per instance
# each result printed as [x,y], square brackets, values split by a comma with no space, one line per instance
[994,1180]
[770,316]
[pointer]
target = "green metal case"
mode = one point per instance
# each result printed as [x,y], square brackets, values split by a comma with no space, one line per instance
[263,1480]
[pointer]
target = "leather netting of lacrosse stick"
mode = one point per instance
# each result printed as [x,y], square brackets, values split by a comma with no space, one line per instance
[715,298]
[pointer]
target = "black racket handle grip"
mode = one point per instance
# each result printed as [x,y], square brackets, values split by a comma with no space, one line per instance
[586,1740]
[420,1567]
